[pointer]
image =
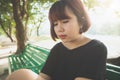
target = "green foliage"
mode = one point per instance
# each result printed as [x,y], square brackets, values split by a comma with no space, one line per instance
[44,1]
[34,8]
[6,15]
[5,7]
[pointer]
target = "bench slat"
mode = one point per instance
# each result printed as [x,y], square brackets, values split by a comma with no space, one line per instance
[114,67]
[112,75]
[32,57]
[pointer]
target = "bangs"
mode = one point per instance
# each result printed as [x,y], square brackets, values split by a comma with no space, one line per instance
[57,12]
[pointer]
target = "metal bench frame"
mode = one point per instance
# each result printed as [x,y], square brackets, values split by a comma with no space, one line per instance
[33,57]
[113,72]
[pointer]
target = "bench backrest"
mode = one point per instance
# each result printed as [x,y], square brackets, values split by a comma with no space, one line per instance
[113,72]
[33,57]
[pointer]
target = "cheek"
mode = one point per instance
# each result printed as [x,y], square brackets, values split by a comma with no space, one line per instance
[55,29]
[57,32]
[73,29]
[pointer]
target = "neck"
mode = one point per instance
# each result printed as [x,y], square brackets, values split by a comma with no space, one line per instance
[81,40]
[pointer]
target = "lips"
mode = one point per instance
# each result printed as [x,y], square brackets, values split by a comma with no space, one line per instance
[62,36]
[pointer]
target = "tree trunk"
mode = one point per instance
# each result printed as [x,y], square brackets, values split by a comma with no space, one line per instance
[20,33]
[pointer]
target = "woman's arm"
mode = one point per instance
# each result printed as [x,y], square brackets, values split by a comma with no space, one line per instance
[43,76]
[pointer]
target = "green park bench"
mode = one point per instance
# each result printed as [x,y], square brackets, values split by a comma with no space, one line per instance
[33,57]
[113,72]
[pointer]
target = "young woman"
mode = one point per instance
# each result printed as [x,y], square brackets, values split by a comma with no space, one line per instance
[76,57]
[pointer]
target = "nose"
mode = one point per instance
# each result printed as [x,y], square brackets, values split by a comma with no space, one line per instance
[60,28]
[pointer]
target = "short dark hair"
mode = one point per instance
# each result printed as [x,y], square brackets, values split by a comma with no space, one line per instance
[57,12]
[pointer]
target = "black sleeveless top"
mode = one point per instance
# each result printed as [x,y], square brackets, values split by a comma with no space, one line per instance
[87,61]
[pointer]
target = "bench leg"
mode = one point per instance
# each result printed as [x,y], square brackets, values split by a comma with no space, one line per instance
[9,68]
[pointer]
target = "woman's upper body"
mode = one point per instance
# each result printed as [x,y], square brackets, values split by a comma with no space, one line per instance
[76,57]
[86,61]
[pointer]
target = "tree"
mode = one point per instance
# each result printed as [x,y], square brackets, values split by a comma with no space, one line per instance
[7,30]
[20,12]
[6,18]
[38,10]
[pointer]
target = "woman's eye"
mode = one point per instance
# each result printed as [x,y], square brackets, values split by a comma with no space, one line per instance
[55,24]
[65,21]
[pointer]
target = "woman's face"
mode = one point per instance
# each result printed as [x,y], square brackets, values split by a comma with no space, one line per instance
[67,29]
